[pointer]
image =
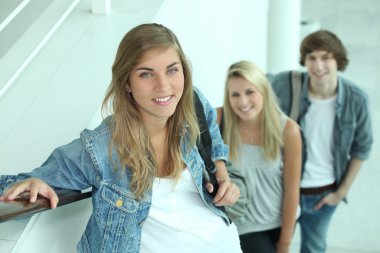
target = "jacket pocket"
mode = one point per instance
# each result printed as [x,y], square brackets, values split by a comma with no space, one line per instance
[116,210]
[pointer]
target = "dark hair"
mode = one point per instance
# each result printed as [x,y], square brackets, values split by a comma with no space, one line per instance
[327,41]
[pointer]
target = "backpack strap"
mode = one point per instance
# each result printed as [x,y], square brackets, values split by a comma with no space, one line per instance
[296,80]
[204,144]
[220,119]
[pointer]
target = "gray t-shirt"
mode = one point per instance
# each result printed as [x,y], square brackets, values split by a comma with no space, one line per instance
[264,183]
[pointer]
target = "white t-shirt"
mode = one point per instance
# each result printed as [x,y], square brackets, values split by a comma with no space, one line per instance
[319,128]
[179,221]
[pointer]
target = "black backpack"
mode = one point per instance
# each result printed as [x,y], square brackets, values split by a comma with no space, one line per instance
[204,144]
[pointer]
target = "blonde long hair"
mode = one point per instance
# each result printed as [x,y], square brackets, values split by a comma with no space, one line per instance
[129,136]
[272,139]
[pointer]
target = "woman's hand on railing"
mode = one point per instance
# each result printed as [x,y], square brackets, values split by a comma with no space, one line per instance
[35,187]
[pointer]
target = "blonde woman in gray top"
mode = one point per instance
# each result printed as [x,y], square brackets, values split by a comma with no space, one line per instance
[265,154]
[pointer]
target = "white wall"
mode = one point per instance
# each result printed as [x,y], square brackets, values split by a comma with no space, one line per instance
[283,35]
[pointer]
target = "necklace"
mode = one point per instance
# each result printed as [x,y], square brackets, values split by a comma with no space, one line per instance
[250,135]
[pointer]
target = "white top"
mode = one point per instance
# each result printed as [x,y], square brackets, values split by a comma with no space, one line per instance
[179,221]
[265,186]
[319,126]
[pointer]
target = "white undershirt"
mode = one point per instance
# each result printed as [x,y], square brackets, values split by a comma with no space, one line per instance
[179,221]
[319,127]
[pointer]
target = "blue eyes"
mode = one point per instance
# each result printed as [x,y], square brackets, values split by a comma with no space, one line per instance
[146,75]
[170,71]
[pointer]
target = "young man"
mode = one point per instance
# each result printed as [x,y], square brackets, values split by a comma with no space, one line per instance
[336,123]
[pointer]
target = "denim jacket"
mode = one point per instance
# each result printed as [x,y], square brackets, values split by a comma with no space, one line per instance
[352,128]
[117,219]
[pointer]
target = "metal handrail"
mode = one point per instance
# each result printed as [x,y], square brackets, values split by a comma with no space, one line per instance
[21,207]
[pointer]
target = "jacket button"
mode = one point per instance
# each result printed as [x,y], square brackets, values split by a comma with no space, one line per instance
[119,202]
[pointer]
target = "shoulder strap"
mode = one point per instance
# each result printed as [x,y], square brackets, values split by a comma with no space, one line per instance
[296,78]
[220,119]
[296,91]
[204,144]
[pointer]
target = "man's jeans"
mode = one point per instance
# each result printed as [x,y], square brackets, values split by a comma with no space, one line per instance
[314,224]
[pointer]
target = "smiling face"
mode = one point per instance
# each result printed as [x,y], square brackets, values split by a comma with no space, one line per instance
[157,84]
[322,68]
[245,99]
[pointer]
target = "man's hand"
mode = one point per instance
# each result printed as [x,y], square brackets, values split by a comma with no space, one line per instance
[331,199]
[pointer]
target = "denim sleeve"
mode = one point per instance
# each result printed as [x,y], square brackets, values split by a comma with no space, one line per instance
[68,167]
[363,137]
[8,180]
[219,149]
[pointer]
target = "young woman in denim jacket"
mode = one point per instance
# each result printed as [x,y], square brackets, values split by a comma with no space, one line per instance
[142,162]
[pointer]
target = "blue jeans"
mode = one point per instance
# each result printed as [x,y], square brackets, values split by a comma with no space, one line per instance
[314,224]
